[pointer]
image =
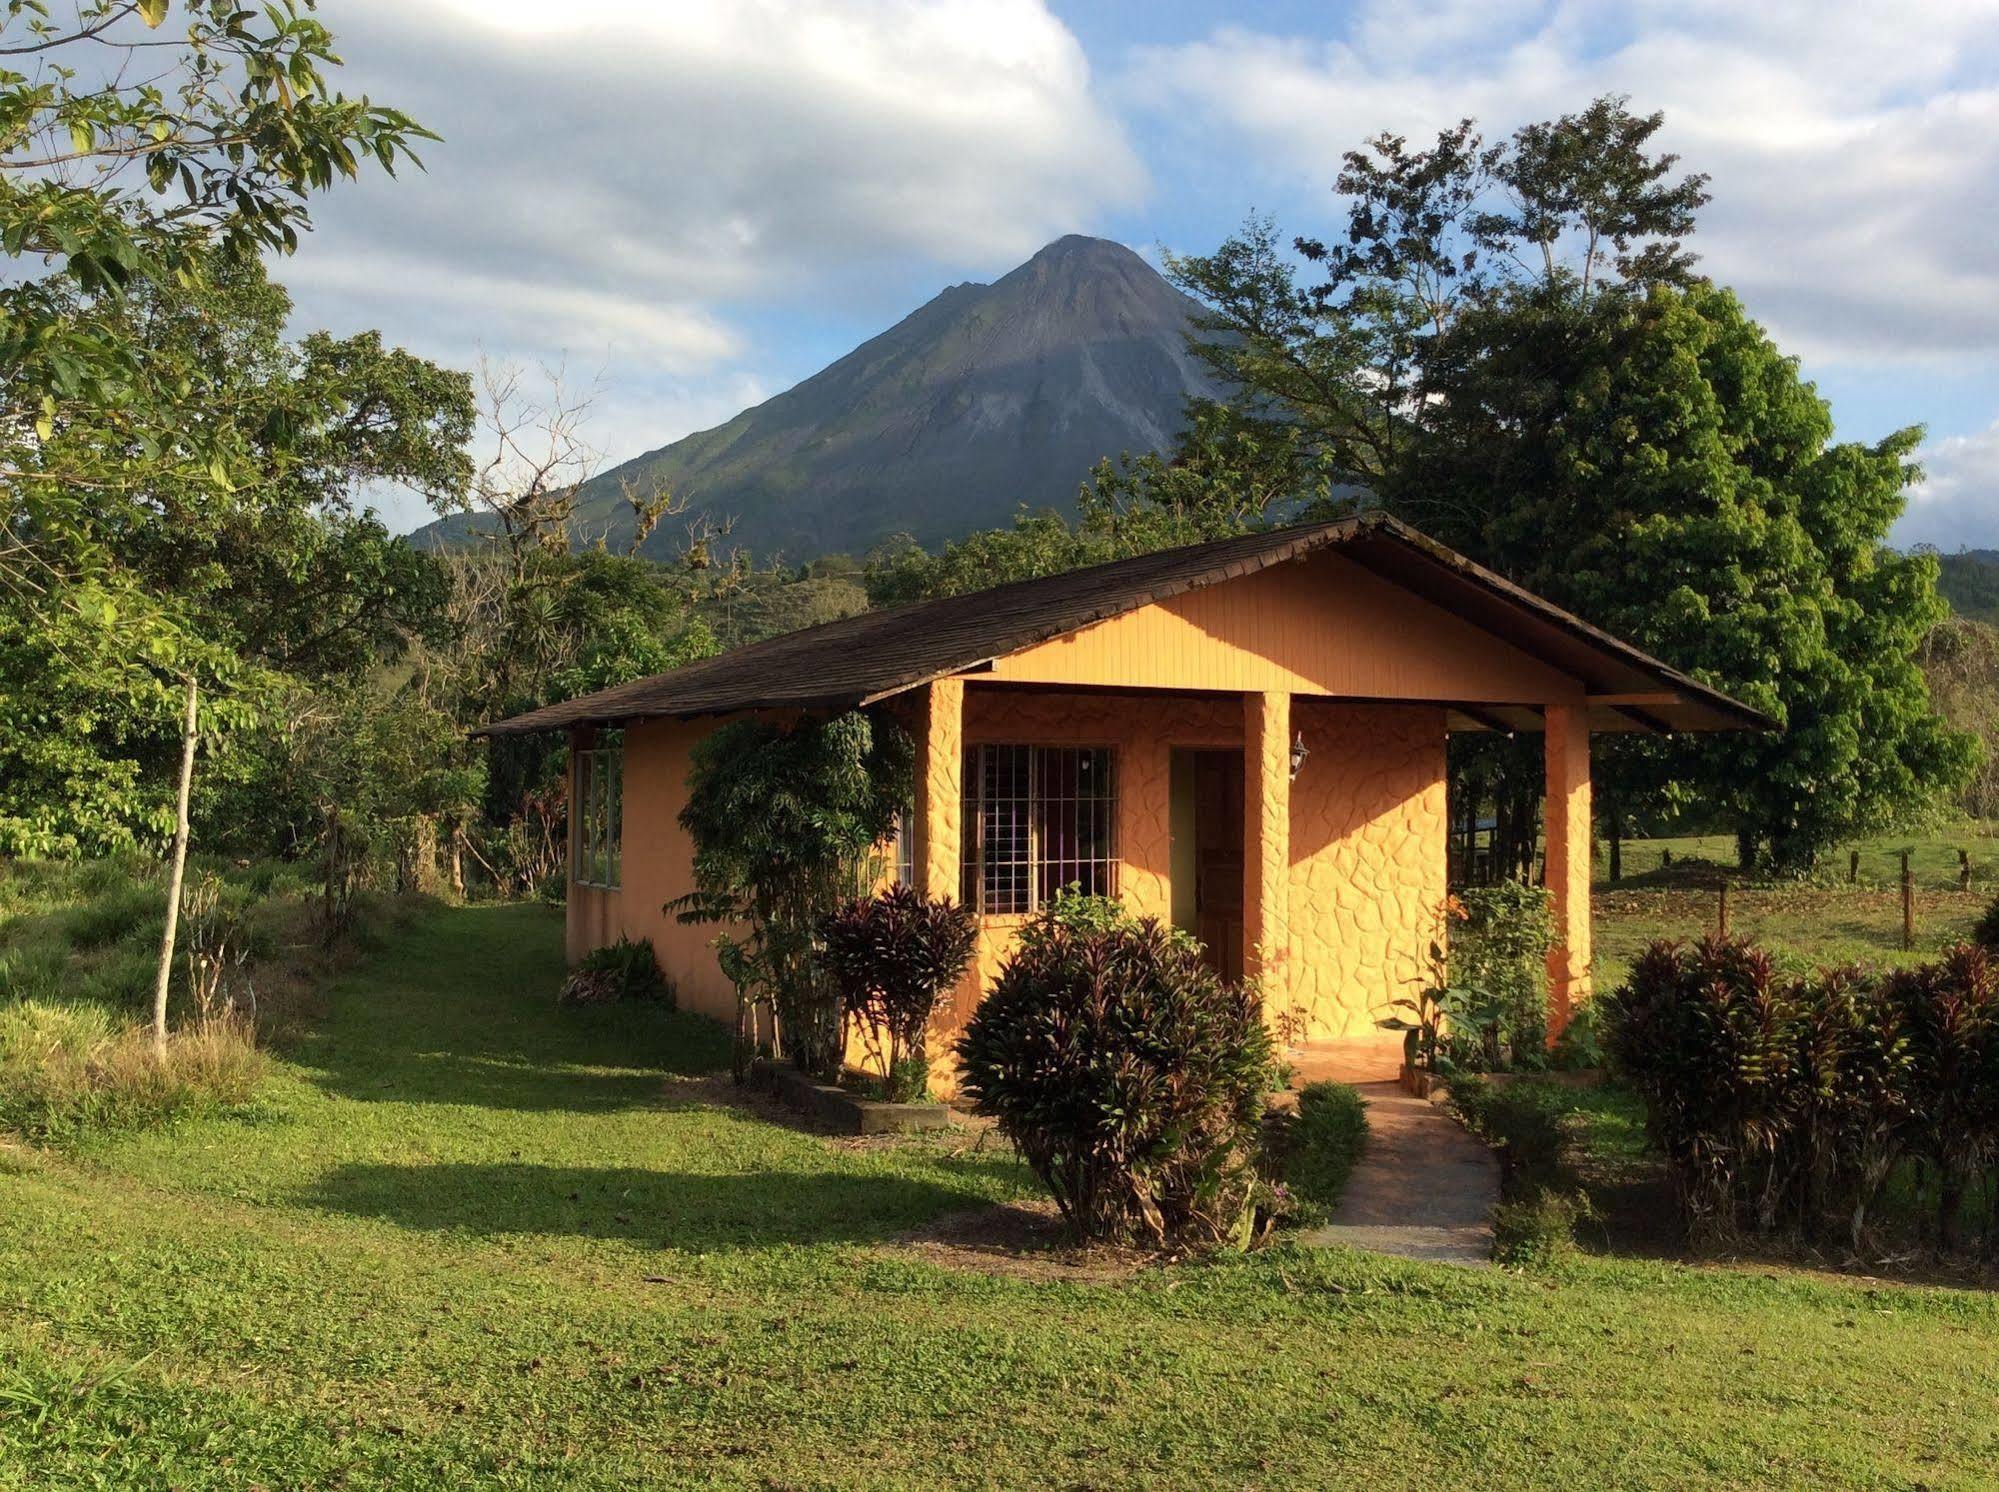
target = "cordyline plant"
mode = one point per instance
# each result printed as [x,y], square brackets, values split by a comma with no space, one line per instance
[892,956]
[785,821]
[1130,1077]
[1785,1104]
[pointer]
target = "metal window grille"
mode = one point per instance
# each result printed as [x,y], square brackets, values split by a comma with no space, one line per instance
[597,812]
[1037,819]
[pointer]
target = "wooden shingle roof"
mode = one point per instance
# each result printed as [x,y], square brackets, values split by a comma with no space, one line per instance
[861,659]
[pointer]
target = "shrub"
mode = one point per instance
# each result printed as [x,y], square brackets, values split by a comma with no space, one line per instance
[1499,943]
[893,955]
[786,821]
[69,1068]
[1985,933]
[1317,1144]
[1128,1075]
[1523,1122]
[624,970]
[1787,1103]
[1539,1229]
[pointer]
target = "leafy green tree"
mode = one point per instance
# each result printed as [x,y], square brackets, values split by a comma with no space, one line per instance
[281,580]
[1657,465]
[140,145]
[785,820]
[1510,347]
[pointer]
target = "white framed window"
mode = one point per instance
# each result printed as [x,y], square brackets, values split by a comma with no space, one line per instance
[596,811]
[1037,819]
[904,870]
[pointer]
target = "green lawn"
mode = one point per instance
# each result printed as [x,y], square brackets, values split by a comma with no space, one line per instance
[470,1240]
[1824,921]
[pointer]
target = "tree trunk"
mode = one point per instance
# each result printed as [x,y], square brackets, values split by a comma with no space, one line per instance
[174,875]
[1616,829]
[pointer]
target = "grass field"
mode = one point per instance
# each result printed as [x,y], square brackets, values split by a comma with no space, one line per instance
[466,1239]
[1824,921]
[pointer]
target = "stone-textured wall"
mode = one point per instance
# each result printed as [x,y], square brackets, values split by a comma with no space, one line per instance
[940,766]
[1367,860]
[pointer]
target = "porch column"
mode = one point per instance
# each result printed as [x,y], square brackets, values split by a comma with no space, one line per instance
[940,768]
[1566,820]
[1266,858]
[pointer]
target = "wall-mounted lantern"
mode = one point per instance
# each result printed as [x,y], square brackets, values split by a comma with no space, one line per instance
[1299,751]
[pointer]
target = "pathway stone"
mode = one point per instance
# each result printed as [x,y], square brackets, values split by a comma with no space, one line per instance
[1424,1187]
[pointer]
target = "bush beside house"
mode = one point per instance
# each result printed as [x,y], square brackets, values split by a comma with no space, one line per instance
[1130,1077]
[1785,1104]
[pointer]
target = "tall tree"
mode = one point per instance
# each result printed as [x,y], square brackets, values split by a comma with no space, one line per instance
[139,141]
[1511,347]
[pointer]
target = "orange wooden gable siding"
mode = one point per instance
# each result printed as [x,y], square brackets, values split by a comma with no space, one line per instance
[1317,625]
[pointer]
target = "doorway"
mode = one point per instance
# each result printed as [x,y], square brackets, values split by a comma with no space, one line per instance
[1207,830]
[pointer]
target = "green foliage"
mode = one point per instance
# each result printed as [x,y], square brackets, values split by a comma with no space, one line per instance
[1316,1146]
[1527,1123]
[468,1184]
[1786,1103]
[1707,518]
[893,956]
[1508,347]
[1959,658]
[1499,940]
[785,821]
[624,970]
[1539,1230]
[1130,1078]
[162,457]
[69,1069]
[1969,581]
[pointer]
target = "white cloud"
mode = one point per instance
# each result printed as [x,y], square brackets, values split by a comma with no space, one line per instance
[623,183]
[1854,146]
[1958,504]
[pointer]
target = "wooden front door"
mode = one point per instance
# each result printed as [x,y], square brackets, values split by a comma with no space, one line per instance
[1208,847]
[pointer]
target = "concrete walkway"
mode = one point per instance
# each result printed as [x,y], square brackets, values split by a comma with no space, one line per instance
[1424,1188]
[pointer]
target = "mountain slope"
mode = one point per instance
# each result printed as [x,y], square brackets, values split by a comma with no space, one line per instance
[987,397]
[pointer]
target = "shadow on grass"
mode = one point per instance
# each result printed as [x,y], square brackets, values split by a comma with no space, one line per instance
[672,1210]
[459,1008]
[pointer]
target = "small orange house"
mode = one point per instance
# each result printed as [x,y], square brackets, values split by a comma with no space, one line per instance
[1245,738]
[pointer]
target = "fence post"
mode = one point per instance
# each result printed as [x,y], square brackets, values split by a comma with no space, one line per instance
[1852,867]
[1964,870]
[1908,904]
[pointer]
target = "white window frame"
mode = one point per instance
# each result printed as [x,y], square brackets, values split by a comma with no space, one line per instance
[596,812]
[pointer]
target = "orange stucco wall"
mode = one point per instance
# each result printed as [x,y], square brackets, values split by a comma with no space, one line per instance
[657,865]
[1319,625]
[1367,860]
[1567,820]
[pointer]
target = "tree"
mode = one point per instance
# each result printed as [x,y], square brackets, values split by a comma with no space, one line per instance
[785,819]
[1511,348]
[1658,466]
[132,160]
[281,579]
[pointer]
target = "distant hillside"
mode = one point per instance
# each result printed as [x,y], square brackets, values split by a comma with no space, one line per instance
[988,397]
[1970,582]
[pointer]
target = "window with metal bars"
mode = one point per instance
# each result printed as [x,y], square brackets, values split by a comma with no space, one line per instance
[596,811]
[1037,819]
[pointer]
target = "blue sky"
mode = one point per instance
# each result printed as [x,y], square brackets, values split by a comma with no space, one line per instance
[689,206]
